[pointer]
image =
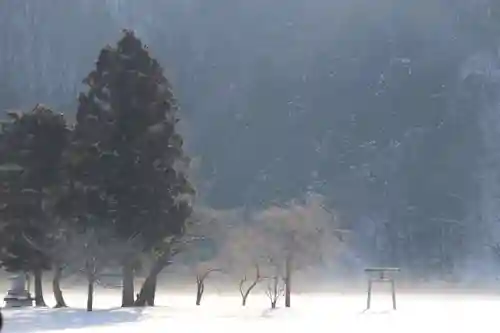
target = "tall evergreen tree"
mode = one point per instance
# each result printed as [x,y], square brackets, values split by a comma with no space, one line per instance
[130,152]
[31,150]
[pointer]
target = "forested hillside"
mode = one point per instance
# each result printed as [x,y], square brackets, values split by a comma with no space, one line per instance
[388,108]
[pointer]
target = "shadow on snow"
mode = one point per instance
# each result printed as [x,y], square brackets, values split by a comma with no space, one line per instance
[39,320]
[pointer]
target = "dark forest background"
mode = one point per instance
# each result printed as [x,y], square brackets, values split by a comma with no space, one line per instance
[387,108]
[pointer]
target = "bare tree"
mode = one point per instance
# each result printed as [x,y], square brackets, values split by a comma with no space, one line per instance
[98,250]
[275,286]
[243,256]
[75,251]
[200,226]
[247,285]
[205,227]
[298,235]
[95,258]
[201,276]
[163,257]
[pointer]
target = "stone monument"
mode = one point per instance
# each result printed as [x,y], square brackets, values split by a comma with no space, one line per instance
[18,295]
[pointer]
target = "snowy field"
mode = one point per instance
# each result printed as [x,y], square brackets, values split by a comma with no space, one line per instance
[223,313]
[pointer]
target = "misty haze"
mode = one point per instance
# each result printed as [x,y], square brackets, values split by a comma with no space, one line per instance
[249,165]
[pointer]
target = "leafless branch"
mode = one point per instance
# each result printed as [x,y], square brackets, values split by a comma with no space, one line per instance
[200,283]
[33,244]
[201,277]
[245,292]
[275,289]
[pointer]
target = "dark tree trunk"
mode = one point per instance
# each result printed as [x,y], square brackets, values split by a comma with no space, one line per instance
[148,289]
[90,295]
[245,294]
[200,288]
[152,294]
[200,283]
[39,301]
[274,291]
[128,286]
[288,281]
[56,288]
[146,296]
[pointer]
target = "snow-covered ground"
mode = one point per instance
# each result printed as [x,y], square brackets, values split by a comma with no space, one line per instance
[310,313]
